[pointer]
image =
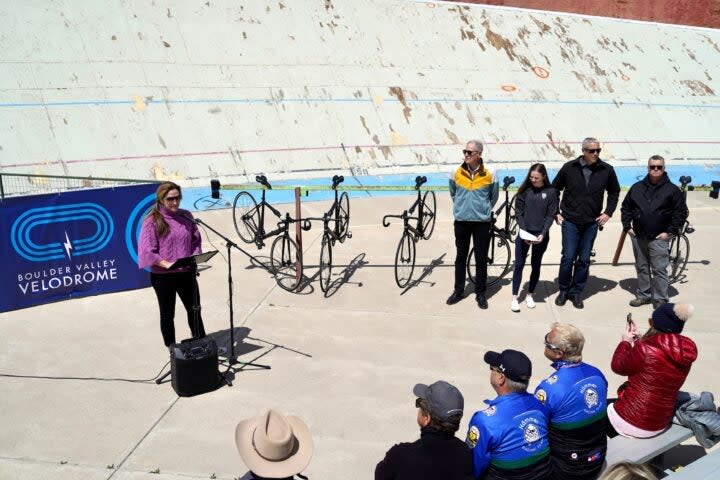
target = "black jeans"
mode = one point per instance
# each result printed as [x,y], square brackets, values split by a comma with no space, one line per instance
[480,234]
[185,285]
[521,250]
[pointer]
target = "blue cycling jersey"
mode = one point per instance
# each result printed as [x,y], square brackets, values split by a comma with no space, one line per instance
[576,400]
[575,395]
[510,435]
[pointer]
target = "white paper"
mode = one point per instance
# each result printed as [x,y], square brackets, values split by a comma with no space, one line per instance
[527,236]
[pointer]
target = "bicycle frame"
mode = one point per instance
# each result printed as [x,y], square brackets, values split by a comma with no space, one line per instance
[507,181]
[406,216]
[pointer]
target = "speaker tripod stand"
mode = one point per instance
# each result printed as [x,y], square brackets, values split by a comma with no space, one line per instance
[231,358]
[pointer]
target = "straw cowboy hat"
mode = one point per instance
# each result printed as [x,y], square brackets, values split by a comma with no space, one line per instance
[274,445]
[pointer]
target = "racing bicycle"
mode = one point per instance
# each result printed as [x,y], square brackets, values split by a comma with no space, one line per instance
[679,244]
[415,228]
[498,258]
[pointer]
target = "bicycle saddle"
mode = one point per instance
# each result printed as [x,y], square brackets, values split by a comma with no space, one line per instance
[262,180]
[507,181]
[419,180]
[337,180]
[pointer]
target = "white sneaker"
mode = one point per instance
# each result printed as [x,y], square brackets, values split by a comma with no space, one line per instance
[529,302]
[515,306]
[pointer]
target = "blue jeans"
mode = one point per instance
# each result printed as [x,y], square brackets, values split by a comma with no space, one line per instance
[577,243]
[521,251]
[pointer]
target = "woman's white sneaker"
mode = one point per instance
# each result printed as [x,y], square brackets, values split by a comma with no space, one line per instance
[515,306]
[529,302]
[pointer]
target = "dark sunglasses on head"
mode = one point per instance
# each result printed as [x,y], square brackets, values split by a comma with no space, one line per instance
[417,402]
[469,152]
[593,150]
[655,167]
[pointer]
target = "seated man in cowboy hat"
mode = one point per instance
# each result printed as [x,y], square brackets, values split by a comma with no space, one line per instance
[438,453]
[274,446]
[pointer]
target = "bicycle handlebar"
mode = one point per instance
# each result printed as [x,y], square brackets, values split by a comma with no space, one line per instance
[386,223]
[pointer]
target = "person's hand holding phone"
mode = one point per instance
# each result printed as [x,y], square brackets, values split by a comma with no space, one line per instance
[630,333]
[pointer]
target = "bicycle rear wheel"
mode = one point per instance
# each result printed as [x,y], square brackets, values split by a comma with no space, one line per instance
[325,262]
[428,207]
[343,216]
[286,261]
[404,260]
[498,260]
[513,226]
[246,216]
[679,253]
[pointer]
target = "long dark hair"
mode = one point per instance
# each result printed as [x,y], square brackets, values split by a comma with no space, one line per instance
[536,167]
[161,226]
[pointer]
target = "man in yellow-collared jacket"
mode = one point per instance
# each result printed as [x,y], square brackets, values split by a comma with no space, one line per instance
[474,191]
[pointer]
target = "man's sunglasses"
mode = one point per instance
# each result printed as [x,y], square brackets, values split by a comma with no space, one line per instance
[655,167]
[550,345]
[593,150]
[469,152]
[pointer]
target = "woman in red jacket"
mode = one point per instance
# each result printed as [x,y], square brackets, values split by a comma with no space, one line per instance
[657,365]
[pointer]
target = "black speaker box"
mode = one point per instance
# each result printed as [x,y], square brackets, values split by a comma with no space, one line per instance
[194,366]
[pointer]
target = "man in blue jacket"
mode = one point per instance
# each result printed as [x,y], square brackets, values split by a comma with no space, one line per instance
[576,399]
[474,191]
[509,438]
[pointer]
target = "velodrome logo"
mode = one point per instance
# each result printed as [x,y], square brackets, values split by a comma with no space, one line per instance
[21,232]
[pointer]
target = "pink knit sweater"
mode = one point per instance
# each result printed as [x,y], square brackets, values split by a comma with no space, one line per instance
[182,240]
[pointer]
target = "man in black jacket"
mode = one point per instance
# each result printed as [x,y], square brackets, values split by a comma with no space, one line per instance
[438,454]
[583,183]
[653,210]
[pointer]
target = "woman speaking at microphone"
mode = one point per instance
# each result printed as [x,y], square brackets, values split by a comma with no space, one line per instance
[167,234]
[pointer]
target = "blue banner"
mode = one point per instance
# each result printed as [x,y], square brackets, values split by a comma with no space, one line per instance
[72,244]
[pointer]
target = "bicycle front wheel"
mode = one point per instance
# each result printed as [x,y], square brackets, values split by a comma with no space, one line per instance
[498,260]
[325,263]
[286,261]
[428,209]
[679,253]
[246,217]
[404,260]
[343,216]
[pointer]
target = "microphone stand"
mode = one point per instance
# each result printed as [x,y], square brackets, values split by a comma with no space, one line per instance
[228,245]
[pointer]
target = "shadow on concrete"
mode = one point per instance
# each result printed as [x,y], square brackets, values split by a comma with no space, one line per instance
[345,274]
[630,286]
[426,271]
[679,456]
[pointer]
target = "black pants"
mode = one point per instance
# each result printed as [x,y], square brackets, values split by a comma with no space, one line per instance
[521,250]
[480,234]
[185,285]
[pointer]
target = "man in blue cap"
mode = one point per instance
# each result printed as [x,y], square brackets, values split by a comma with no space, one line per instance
[438,453]
[509,438]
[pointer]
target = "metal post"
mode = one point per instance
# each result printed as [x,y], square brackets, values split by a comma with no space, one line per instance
[298,238]
[2,188]
[621,242]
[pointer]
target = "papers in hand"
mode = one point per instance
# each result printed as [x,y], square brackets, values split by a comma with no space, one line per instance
[527,236]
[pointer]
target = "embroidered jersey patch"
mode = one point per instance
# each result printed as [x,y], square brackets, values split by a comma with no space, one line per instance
[591,398]
[472,436]
[490,411]
[531,433]
[541,395]
[552,380]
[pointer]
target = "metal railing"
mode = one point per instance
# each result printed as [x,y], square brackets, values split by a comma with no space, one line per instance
[21,184]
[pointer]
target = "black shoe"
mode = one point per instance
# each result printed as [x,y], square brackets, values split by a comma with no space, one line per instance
[481,301]
[638,302]
[657,303]
[561,298]
[454,298]
[577,303]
